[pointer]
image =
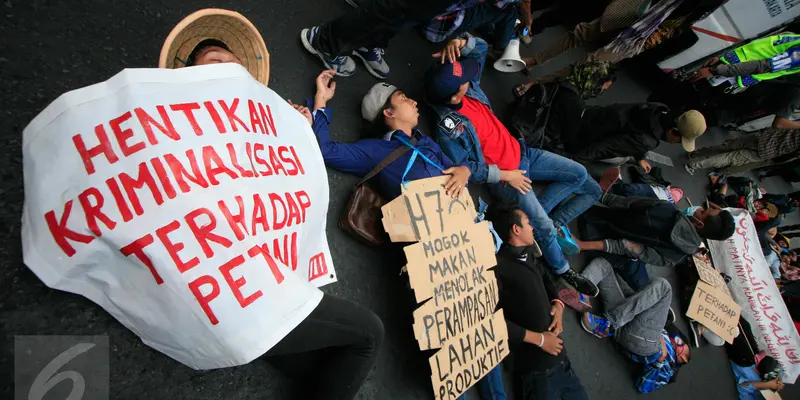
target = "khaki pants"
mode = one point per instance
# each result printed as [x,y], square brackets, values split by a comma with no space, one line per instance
[730,153]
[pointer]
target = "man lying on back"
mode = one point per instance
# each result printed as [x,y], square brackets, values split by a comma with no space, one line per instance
[471,135]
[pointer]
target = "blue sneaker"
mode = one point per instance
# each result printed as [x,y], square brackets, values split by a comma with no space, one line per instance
[343,65]
[565,241]
[374,61]
[597,326]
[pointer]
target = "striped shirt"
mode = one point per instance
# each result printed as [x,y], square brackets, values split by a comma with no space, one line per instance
[773,142]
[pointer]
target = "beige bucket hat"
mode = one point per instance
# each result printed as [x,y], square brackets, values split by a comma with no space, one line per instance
[229,27]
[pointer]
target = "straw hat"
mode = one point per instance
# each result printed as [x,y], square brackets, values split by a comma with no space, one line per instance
[229,27]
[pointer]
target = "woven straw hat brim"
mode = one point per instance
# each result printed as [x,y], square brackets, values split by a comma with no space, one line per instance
[229,27]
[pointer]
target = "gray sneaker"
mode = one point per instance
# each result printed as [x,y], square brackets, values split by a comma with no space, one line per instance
[343,65]
[374,61]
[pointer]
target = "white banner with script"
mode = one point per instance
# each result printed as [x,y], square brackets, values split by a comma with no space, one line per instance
[754,289]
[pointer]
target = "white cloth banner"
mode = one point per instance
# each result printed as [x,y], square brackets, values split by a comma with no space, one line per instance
[754,289]
[190,204]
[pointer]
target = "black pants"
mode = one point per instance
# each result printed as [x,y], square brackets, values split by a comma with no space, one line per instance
[557,383]
[374,23]
[335,347]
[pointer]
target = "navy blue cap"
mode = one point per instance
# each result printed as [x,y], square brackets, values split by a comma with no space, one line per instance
[443,80]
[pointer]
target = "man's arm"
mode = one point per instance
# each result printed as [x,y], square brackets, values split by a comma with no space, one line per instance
[742,69]
[475,48]
[789,100]
[628,248]
[518,335]
[353,158]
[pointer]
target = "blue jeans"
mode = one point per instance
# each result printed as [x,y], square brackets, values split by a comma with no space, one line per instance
[491,386]
[553,207]
[557,383]
[496,25]
[633,190]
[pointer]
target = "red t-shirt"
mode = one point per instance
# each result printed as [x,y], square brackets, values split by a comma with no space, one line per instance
[498,145]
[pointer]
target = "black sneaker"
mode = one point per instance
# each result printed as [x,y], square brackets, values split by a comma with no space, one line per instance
[580,283]
[343,65]
[695,330]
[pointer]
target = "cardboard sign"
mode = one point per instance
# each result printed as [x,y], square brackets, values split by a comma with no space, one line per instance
[448,267]
[708,274]
[754,289]
[715,310]
[188,203]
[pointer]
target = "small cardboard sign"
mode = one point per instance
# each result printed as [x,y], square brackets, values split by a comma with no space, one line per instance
[715,310]
[708,273]
[448,270]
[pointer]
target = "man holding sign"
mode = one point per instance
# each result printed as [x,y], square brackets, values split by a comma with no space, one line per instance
[529,299]
[182,201]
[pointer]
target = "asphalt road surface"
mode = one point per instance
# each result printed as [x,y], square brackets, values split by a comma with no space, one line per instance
[50,47]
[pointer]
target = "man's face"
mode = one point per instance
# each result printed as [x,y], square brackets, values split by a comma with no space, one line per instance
[704,212]
[215,55]
[524,232]
[682,350]
[404,110]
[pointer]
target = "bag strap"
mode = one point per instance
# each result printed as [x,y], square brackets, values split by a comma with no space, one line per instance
[386,161]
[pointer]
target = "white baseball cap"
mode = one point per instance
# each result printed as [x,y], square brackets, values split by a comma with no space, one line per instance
[376,98]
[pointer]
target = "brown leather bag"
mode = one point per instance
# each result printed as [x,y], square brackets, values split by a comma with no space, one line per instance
[362,216]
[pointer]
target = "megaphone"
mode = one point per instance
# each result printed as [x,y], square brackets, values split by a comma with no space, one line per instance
[510,61]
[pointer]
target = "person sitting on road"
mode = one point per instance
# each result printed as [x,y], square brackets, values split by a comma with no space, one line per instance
[641,322]
[529,298]
[651,231]
[470,133]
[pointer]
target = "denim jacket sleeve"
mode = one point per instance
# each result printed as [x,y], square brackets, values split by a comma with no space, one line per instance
[457,148]
[352,158]
[476,48]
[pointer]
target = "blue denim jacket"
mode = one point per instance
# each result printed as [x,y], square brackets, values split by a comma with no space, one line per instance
[455,132]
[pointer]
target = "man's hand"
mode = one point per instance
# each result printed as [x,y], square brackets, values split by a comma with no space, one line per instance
[458,179]
[326,88]
[664,351]
[702,73]
[303,110]
[552,343]
[645,166]
[517,180]
[557,311]
[451,51]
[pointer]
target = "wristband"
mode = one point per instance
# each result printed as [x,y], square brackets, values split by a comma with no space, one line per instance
[541,343]
[559,302]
